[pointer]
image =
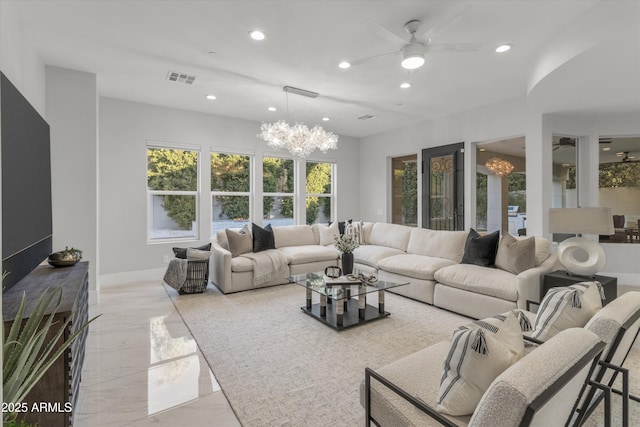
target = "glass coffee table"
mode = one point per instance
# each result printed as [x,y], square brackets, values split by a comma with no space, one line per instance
[338,306]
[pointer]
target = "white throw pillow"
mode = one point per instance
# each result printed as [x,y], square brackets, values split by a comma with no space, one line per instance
[354,228]
[479,353]
[566,307]
[327,233]
[196,254]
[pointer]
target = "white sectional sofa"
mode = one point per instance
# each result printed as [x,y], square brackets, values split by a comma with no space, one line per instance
[428,259]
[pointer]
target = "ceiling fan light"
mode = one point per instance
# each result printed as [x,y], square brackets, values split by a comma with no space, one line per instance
[413,56]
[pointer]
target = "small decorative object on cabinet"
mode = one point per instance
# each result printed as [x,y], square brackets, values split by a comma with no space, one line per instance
[564,278]
[59,386]
[65,258]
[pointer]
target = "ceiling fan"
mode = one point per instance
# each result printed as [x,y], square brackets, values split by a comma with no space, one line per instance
[626,156]
[413,51]
[564,142]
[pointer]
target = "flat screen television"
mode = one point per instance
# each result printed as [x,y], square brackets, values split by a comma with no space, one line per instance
[26,185]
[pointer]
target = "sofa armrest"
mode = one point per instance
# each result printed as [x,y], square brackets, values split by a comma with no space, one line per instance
[220,267]
[418,403]
[529,281]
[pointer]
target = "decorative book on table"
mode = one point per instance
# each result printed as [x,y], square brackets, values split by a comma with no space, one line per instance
[341,280]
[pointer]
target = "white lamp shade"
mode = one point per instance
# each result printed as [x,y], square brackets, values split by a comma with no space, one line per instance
[581,221]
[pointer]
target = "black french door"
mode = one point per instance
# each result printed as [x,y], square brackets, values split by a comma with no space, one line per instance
[443,187]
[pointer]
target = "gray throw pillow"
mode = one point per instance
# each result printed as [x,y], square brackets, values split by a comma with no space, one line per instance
[240,242]
[516,256]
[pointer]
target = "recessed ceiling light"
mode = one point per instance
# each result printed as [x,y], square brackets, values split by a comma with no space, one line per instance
[606,149]
[256,35]
[405,85]
[271,108]
[344,65]
[483,149]
[211,97]
[325,119]
[620,153]
[503,48]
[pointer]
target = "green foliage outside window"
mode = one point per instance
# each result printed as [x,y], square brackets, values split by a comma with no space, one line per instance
[318,182]
[410,193]
[612,175]
[174,170]
[277,175]
[231,172]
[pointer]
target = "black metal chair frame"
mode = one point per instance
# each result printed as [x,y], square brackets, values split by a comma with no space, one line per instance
[593,398]
[591,356]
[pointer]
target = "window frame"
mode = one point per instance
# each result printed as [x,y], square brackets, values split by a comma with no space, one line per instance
[331,196]
[251,193]
[293,194]
[152,193]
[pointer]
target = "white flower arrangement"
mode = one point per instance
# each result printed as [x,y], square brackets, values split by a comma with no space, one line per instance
[346,243]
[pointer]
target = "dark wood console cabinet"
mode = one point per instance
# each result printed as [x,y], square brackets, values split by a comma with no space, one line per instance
[60,384]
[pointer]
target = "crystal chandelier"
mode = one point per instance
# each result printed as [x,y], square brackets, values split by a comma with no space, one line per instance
[298,139]
[499,166]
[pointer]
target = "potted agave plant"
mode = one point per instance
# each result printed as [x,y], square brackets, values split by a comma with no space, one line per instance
[26,352]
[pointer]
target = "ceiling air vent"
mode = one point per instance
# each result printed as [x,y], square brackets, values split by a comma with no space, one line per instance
[180,77]
[365,117]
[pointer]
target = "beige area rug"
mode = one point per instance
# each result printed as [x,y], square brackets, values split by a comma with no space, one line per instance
[279,367]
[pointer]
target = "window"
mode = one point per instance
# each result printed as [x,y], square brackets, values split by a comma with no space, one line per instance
[619,186]
[319,192]
[230,190]
[404,190]
[172,187]
[278,190]
[564,159]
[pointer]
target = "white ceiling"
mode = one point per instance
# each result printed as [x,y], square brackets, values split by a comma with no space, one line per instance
[131,45]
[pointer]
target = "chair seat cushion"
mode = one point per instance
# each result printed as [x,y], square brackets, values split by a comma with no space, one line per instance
[410,265]
[419,375]
[371,254]
[309,253]
[482,280]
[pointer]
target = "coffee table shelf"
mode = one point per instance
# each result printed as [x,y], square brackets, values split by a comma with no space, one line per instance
[342,306]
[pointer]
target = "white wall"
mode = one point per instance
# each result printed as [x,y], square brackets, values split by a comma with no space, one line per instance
[19,59]
[125,128]
[72,112]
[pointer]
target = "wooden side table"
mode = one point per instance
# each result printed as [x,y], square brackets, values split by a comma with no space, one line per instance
[564,278]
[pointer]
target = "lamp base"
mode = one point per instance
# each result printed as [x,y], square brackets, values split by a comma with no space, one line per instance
[582,257]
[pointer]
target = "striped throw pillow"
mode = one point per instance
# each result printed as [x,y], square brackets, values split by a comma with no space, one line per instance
[567,307]
[479,352]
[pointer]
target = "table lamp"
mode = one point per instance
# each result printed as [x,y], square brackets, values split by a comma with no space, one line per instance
[578,255]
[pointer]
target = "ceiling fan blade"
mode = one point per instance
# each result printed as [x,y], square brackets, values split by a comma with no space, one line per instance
[454,47]
[431,26]
[386,34]
[374,57]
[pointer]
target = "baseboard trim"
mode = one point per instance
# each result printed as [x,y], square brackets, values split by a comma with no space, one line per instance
[114,279]
[629,279]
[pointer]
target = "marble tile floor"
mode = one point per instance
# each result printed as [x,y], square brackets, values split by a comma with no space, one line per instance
[142,366]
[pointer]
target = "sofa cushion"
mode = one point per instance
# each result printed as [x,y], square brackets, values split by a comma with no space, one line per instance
[566,307]
[309,253]
[483,280]
[221,238]
[516,255]
[182,252]
[240,263]
[328,233]
[437,243]
[371,254]
[293,235]
[481,250]
[390,235]
[411,265]
[239,242]
[479,352]
[263,238]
